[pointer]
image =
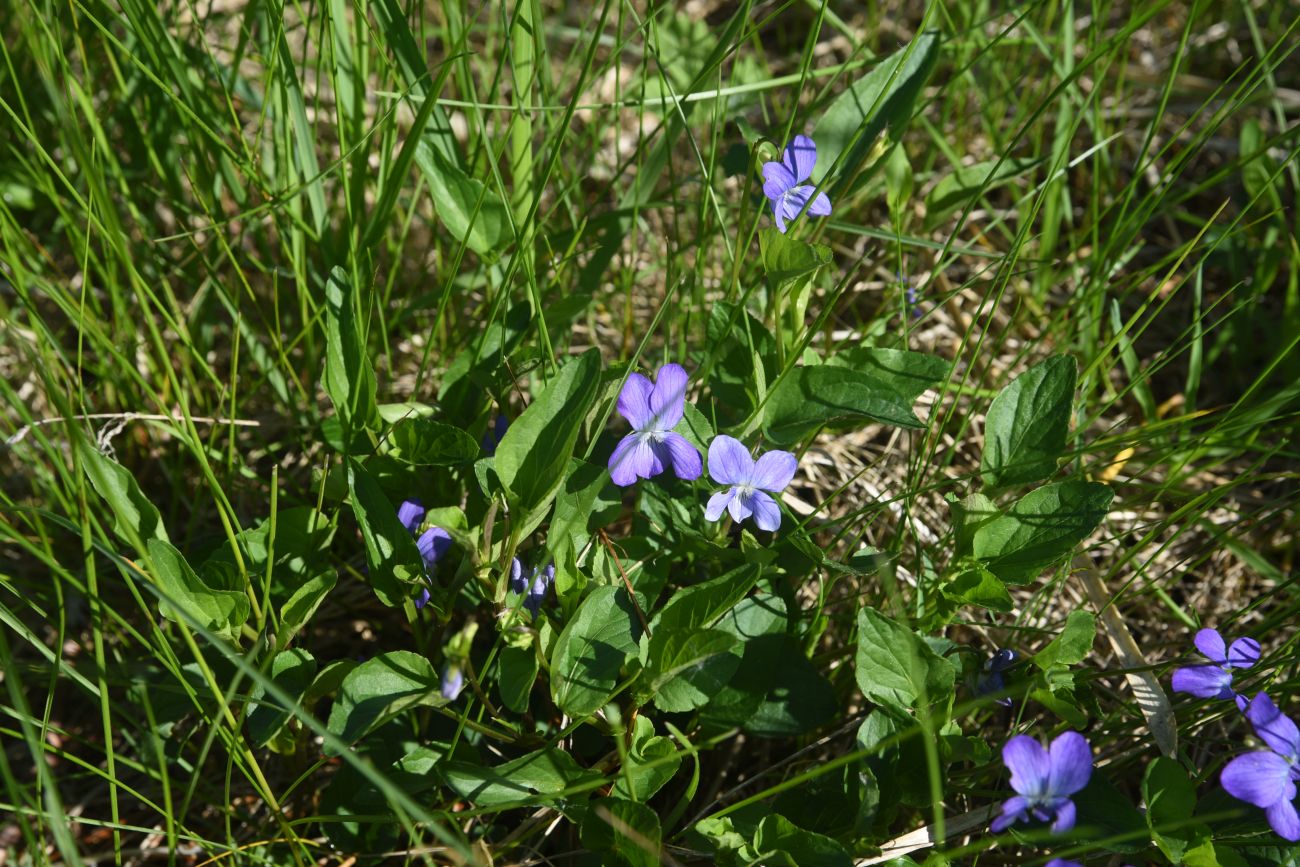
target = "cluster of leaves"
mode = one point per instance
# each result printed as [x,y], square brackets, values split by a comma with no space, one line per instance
[667,632]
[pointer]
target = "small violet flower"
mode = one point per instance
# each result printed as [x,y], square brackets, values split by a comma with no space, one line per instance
[783,183]
[993,680]
[654,410]
[452,682]
[1044,780]
[913,298]
[422,599]
[1267,778]
[1215,681]
[411,514]
[731,464]
[1061,862]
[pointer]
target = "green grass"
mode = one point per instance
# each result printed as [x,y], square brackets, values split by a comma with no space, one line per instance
[177,181]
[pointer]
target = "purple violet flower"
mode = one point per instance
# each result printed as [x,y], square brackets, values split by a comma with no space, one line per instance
[1215,681]
[1044,780]
[1061,862]
[783,183]
[654,410]
[433,544]
[731,464]
[1267,778]
[452,682]
[411,514]
[422,599]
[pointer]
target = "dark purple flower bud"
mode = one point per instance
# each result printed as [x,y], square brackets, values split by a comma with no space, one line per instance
[433,544]
[1044,780]
[452,682]
[731,464]
[422,599]
[492,438]
[913,301]
[542,582]
[411,514]
[783,183]
[1215,681]
[518,580]
[993,679]
[654,410]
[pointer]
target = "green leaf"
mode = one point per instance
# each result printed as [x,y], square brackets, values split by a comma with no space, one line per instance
[968,515]
[301,545]
[652,761]
[292,671]
[670,652]
[776,834]
[702,604]
[965,183]
[695,428]
[786,259]
[587,498]
[622,832]
[1041,528]
[758,622]
[470,211]
[1171,800]
[900,370]
[135,520]
[899,180]
[814,395]
[896,668]
[219,611]
[427,443]
[392,556]
[349,379]
[531,458]
[979,586]
[518,674]
[1072,645]
[798,697]
[1025,431]
[542,774]
[591,651]
[885,96]
[300,606]
[380,688]
[1107,818]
